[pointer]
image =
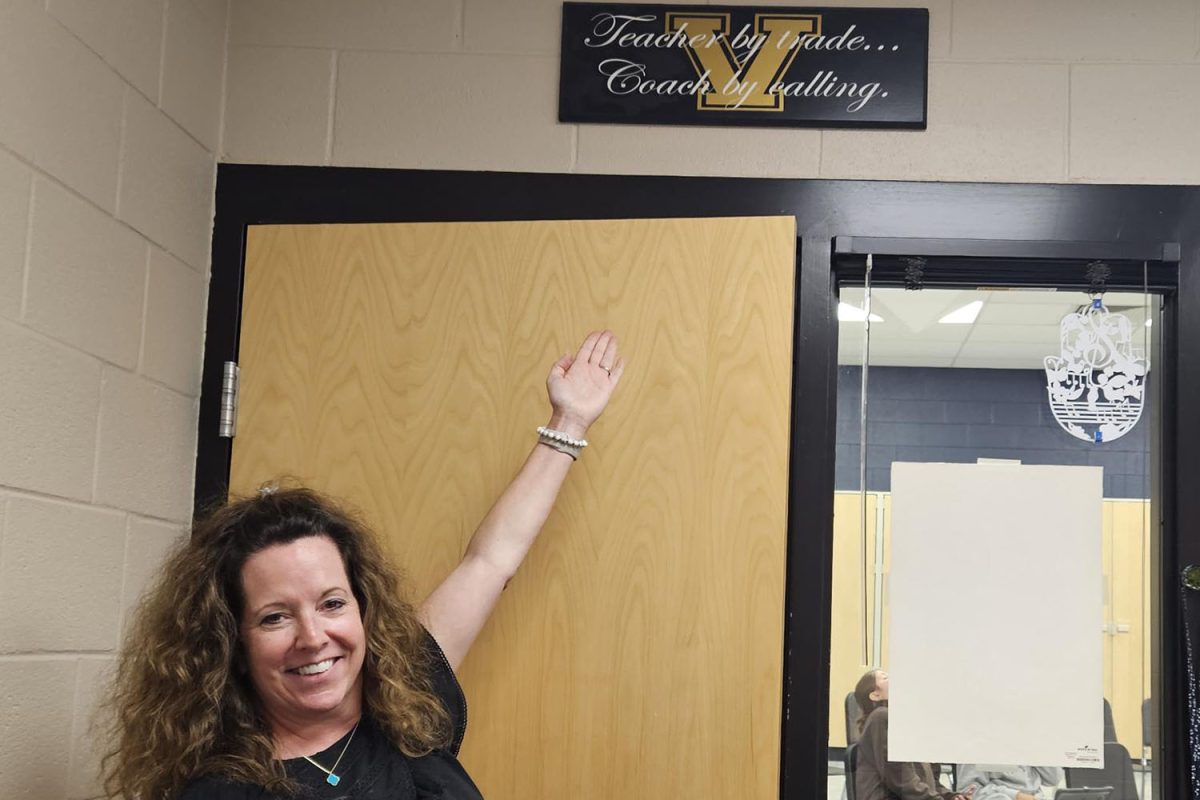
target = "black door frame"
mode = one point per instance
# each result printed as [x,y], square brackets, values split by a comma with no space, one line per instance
[1078,220]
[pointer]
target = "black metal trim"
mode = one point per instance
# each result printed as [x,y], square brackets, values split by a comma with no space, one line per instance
[960,273]
[1165,613]
[1007,248]
[234,209]
[873,210]
[804,746]
[1181,504]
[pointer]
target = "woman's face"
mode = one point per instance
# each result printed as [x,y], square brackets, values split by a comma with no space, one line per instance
[881,686]
[302,632]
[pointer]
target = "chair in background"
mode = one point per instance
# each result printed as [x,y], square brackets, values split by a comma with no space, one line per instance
[1145,728]
[1097,793]
[850,762]
[953,773]
[1117,773]
[1146,737]
[853,712]
[1110,728]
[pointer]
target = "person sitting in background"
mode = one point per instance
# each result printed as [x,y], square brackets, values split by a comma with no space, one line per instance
[877,778]
[1007,782]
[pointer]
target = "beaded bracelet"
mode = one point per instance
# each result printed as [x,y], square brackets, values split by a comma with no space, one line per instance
[561,442]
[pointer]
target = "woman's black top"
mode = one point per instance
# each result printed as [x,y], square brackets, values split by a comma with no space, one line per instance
[372,768]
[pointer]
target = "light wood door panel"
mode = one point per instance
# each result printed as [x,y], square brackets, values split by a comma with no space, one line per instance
[846,661]
[638,652]
[1128,647]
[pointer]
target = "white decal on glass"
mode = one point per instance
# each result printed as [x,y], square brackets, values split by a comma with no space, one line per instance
[1096,385]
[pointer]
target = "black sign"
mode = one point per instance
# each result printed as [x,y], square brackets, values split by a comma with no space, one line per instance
[744,65]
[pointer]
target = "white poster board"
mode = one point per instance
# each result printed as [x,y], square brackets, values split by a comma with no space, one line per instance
[996,595]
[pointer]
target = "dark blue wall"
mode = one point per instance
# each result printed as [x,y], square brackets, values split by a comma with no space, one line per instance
[958,415]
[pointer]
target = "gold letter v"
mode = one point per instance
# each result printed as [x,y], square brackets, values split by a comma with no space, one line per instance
[743,84]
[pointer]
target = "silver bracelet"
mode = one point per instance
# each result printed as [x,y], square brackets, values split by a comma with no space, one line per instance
[561,442]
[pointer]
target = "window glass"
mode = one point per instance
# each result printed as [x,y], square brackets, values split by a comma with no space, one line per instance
[960,376]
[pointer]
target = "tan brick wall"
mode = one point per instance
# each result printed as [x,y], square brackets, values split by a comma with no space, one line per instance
[1053,91]
[110,122]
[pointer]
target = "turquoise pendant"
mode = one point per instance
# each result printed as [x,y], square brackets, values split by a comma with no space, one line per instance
[333,780]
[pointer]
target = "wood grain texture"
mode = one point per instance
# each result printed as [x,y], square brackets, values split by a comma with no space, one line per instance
[1128,667]
[846,662]
[638,652]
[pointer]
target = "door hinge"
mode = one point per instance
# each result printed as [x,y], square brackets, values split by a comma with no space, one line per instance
[230,382]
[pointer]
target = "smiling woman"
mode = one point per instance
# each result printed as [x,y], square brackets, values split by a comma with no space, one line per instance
[252,665]
[276,657]
[304,639]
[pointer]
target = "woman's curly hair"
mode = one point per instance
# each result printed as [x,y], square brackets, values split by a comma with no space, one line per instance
[181,703]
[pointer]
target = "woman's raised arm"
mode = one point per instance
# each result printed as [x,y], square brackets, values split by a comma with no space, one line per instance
[579,388]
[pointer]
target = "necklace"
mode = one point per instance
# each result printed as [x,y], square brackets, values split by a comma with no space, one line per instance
[333,779]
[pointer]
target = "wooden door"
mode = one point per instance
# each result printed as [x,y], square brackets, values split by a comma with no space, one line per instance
[401,367]
[1126,611]
[846,658]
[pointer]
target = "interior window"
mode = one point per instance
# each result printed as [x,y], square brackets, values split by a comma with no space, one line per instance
[991,379]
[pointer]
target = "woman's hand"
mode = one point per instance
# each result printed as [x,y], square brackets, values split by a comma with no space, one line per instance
[580,385]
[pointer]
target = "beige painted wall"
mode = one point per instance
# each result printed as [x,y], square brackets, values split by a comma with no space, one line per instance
[1020,90]
[112,114]
[110,119]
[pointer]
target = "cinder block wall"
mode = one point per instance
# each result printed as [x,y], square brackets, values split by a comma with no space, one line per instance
[930,414]
[112,116]
[110,122]
[1021,90]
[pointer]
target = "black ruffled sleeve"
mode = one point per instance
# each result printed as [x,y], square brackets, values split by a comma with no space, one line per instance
[448,691]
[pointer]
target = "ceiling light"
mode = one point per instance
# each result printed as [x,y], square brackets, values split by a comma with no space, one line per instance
[849,313]
[963,316]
